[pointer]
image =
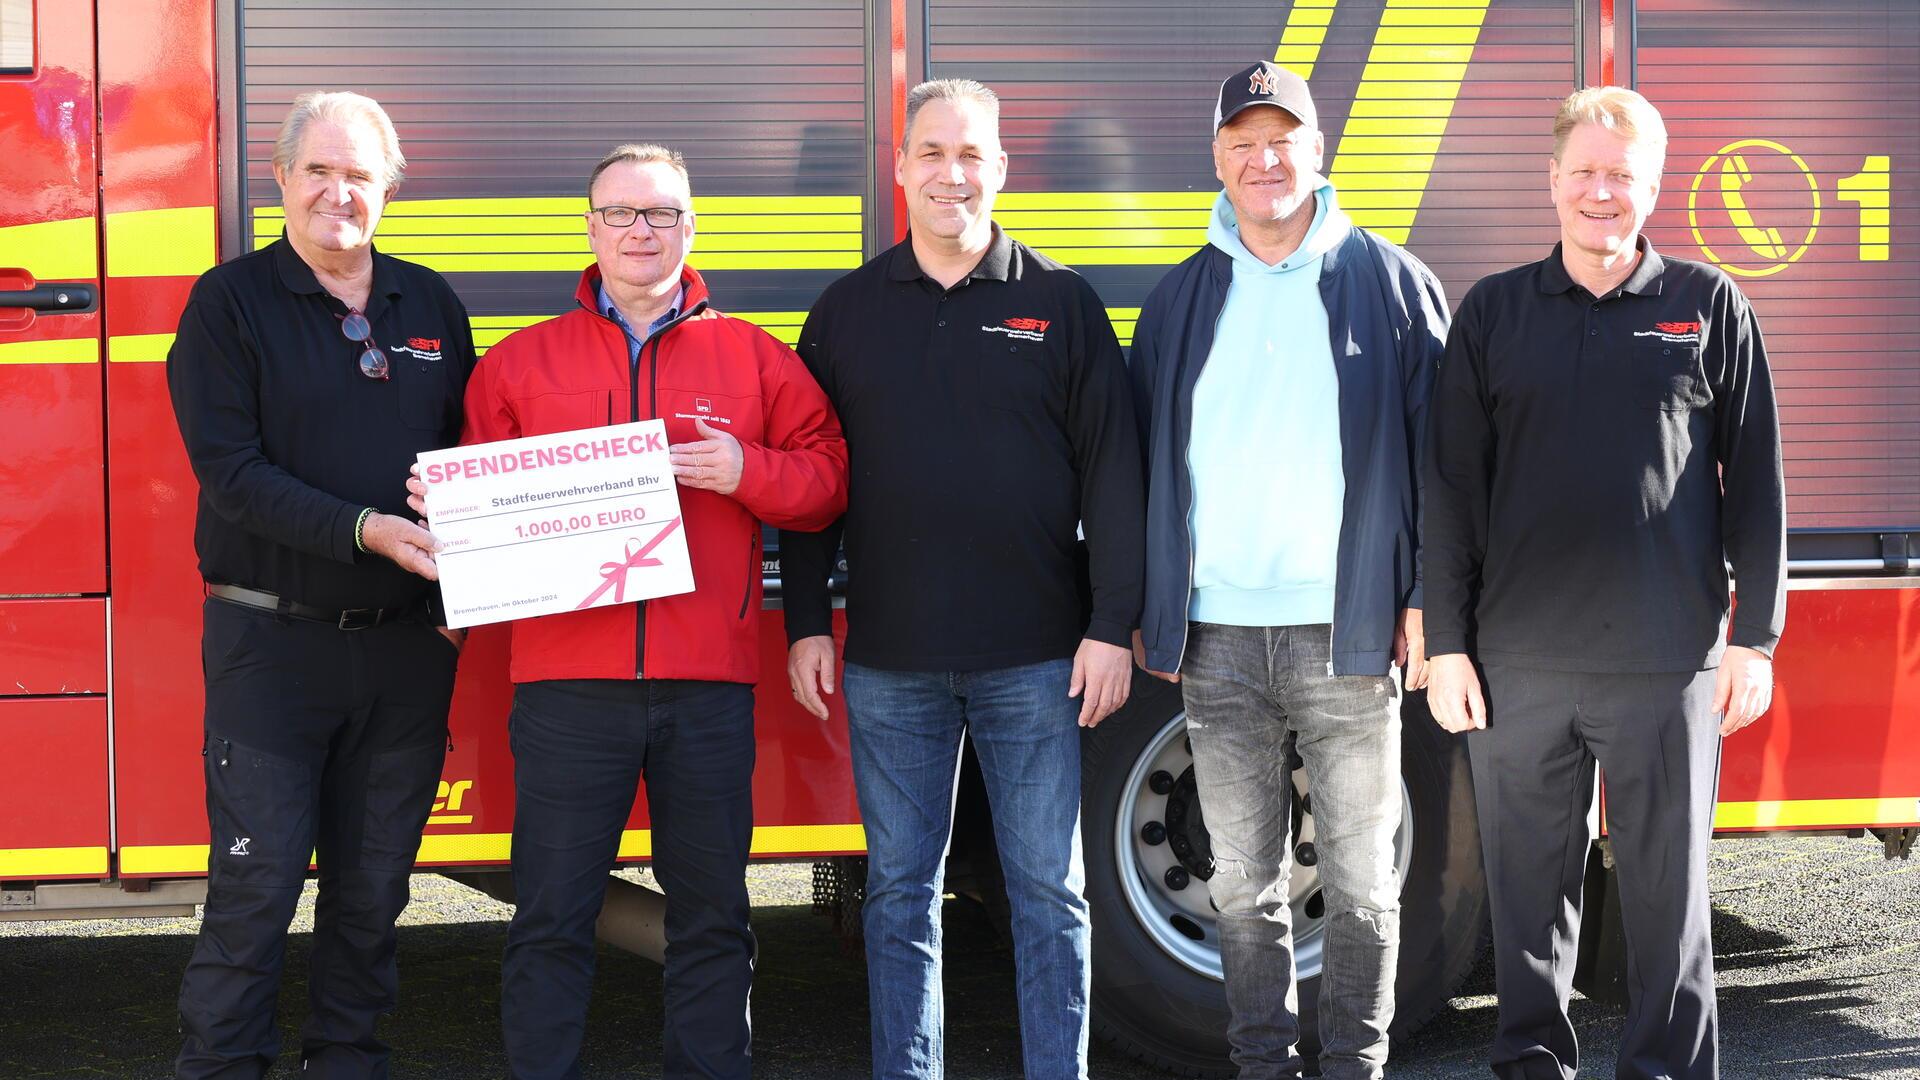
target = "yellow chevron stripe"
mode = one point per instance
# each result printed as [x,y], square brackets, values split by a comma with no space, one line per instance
[574,205]
[52,250]
[571,224]
[1816,813]
[1113,228]
[1194,217]
[1305,32]
[53,862]
[1398,126]
[768,840]
[85,350]
[138,348]
[1419,57]
[1103,200]
[141,860]
[490,330]
[545,234]
[176,242]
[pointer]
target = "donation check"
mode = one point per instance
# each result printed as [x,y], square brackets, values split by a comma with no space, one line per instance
[554,523]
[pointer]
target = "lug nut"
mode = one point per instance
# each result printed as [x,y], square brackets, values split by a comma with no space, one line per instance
[1178,878]
[1153,833]
[1305,855]
[1160,782]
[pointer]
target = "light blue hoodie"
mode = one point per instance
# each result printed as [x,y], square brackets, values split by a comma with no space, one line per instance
[1265,449]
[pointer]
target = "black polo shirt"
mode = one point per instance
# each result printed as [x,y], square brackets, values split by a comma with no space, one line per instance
[290,441]
[1594,463]
[985,423]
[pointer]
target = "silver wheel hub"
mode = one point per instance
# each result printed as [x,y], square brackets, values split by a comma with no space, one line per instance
[1164,858]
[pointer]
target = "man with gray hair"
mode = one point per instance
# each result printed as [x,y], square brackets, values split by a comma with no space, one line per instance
[985,402]
[1605,441]
[306,376]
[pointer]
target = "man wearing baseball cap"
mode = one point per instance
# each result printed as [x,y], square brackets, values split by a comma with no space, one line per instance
[1282,373]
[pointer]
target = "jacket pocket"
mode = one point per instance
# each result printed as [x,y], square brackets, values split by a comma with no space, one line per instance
[260,814]
[1666,377]
[547,414]
[1017,377]
[756,550]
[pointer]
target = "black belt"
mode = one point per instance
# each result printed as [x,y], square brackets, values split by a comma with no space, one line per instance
[349,619]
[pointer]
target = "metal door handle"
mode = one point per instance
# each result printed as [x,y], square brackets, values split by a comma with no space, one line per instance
[52,298]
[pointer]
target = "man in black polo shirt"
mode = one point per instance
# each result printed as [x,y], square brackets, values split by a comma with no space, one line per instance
[987,416]
[1604,440]
[306,377]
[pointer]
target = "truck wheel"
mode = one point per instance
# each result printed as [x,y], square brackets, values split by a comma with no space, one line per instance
[1157,992]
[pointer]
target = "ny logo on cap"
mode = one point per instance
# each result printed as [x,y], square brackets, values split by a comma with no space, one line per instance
[1261,82]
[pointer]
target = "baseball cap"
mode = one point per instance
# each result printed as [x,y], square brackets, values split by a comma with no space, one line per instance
[1265,83]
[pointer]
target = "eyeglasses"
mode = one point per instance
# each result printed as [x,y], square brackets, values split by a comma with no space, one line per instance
[373,362]
[619,217]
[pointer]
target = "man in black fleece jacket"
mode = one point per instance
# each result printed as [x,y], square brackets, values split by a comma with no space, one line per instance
[1604,439]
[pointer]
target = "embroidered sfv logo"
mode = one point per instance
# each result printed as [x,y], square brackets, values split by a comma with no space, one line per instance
[420,348]
[1673,333]
[1024,329]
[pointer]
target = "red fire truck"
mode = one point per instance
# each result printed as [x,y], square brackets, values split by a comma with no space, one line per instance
[134,145]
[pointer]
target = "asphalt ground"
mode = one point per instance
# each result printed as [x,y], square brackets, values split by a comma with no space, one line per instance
[1817,942]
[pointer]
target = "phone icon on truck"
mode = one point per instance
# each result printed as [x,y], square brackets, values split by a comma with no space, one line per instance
[1734,175]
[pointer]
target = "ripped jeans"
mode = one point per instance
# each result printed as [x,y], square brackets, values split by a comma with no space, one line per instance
[1247,689]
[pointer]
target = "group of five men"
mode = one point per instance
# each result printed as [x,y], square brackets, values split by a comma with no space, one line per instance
[1300,480]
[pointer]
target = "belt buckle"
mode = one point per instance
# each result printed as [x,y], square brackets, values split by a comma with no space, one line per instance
[360,618]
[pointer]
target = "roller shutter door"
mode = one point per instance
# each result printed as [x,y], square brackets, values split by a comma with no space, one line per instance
[504,107]
[1437,115]
[1794,164]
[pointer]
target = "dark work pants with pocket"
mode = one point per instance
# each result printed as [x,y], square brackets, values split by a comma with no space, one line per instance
[580,750]
[320,742]
[1657,739]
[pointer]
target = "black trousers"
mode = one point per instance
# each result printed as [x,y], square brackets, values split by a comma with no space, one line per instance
[321,743]
[580,749]
[1657,738]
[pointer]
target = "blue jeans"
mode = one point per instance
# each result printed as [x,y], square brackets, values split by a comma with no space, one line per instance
[906,728]
[1246,689]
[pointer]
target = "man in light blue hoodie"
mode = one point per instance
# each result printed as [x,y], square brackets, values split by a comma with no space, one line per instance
[1281,376]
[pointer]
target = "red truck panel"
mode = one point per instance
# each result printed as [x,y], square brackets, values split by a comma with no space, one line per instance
[53,647]
[1841,745]
[53,769]
[53,523]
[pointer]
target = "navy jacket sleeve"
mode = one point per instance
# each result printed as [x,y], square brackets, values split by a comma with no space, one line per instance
[806,558]
[213,376]
[1419,363]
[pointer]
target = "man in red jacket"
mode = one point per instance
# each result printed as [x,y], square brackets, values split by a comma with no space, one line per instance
[664,688]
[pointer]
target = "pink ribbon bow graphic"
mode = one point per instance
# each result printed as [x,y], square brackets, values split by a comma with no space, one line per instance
[615,573]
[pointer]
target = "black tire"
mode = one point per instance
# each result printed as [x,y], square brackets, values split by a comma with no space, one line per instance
[1159,1009]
